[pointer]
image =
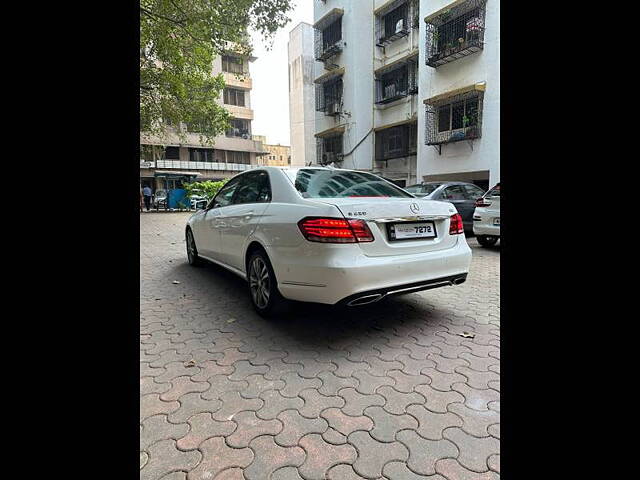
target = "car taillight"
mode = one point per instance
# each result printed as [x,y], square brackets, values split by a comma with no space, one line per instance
[335,230]
[455,225]
[481,202]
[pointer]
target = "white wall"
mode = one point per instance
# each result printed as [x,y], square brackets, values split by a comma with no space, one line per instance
[301,95]
[483,66]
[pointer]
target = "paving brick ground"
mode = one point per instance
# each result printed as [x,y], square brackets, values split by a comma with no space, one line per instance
[406,389]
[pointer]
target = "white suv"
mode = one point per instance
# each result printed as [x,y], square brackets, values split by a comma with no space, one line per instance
[486,218]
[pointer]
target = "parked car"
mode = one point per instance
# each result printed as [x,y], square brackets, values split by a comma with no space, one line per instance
[327,235]
[463,196]
[160,199]
[486,218]
[198,202]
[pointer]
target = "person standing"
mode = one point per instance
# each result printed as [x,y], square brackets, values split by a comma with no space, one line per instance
[146,192]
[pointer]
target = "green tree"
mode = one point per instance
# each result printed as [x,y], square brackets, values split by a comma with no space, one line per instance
[179,40]
[207,188]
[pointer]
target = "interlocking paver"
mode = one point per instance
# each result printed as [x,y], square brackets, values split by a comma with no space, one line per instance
[157,428]
[346,424]
[286,391]
[165,458]
[356,402]
[431,424]
[377,454]
[387,425]
[452,470]
[315,402]
[202,427]
[321,456]
[425,453]
[275,403]
[217,456]
[474,452]
[296,426]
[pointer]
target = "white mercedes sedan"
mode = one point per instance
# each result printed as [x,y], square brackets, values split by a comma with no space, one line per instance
[327,235]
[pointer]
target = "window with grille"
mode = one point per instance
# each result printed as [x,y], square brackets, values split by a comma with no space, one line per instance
[328,39]
[454,119]
[393,23]
[329,149]
[172,153]
[232,96]
[232,64]
[455,33]
[329,96]
[396,142]
[239,127]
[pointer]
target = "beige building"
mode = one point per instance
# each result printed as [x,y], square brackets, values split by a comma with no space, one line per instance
[277,156]
[166,162]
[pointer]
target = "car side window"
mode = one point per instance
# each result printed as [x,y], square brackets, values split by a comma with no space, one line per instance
[473,192]
[254,188]
[454,192]
[225,195]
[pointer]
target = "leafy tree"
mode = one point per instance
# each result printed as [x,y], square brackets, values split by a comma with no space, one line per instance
[179,40]
[207,188]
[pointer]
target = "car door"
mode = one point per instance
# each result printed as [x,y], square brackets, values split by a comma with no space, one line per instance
[243,215]
[209,236]
[461,199]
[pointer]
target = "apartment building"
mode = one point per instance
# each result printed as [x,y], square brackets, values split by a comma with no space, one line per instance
[302,94]
[276,156]
[169,161]
[385,73]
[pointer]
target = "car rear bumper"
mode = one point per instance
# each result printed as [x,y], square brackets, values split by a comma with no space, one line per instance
[339,275]
[486,229]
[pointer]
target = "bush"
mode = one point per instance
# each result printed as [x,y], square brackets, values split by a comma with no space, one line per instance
[206,189]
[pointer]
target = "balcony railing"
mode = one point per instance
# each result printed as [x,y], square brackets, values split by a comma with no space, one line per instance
[454,119]
[455,33]
[221,166]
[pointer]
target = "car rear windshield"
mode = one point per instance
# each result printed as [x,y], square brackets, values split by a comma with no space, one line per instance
[316,183]
[426,189]
[494,192]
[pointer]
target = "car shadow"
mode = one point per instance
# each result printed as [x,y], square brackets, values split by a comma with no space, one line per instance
[308,325]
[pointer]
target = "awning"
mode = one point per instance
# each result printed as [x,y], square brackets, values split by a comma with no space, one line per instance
[413,119]
[442,10]
[413,55]
[330,131]
[167,173]
[329,75]
[329,18]
[480,87]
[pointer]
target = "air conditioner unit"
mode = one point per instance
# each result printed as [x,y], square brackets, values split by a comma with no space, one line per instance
[333,108]
[328,157]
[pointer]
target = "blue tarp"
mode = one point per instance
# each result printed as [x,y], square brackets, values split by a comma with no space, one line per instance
[176,196]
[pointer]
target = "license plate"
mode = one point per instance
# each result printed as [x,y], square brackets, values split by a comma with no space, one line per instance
[413,230]
[496,221]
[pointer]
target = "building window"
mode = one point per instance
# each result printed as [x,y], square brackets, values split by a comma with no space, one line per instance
[239,128]
[172,153]
[396,142]
[238,157]
[329,149]
[454,119]
[232,64]
[329,96]
[233,96]
[455,33]
[201,155]
[328,36]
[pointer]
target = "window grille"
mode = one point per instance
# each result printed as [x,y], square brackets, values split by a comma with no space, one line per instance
[397,83]
[328,38]
[329,96]
[329,149]
[396,142]
[454,119]
[456,33]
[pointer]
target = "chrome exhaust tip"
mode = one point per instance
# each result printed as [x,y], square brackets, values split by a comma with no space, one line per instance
[365,300]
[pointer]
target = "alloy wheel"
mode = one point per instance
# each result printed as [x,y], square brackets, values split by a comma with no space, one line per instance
[259,282]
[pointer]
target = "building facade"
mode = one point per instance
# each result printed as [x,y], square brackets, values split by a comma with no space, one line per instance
[169,161]
[386,71]
[276,156]
[301,95]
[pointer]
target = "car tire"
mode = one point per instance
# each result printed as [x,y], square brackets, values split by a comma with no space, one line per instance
[192,250]
[486,241]
[263,286]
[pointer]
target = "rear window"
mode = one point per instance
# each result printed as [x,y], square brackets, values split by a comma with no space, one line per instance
[426,189]
[494,192]
[316,183]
